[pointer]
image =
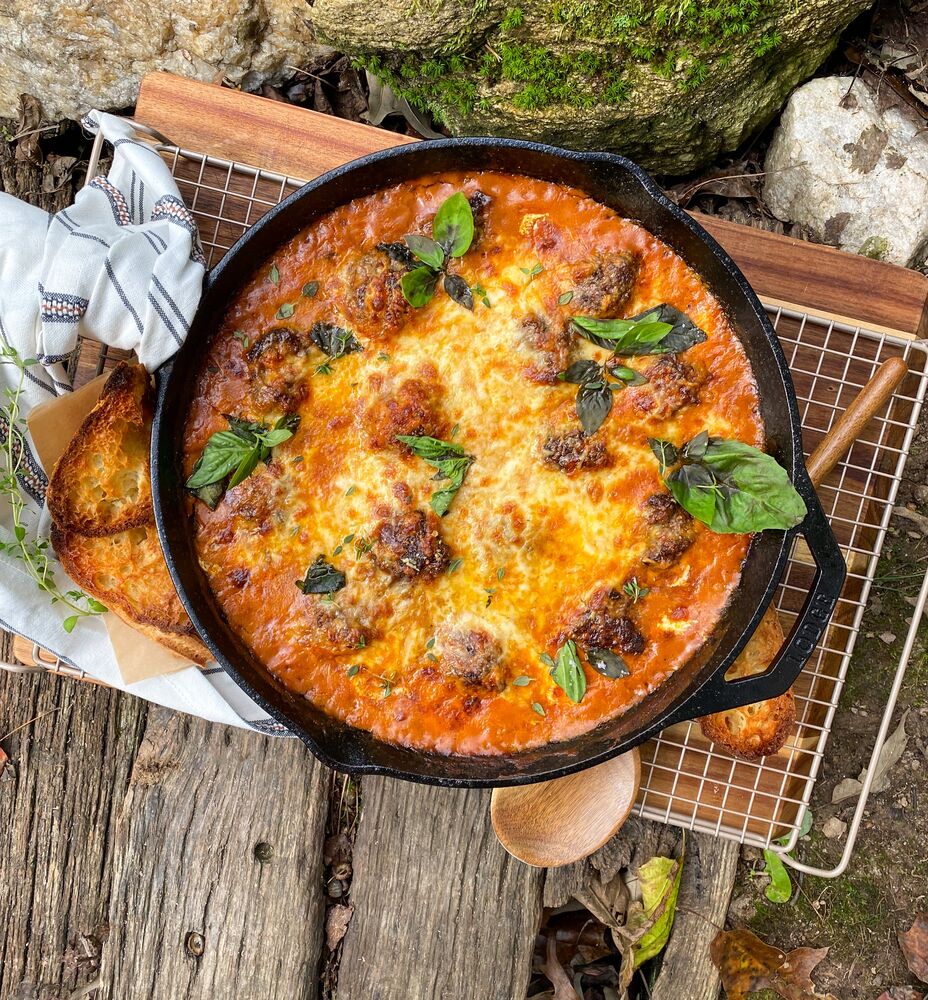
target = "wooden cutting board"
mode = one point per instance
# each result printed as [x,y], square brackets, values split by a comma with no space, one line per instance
[303,144]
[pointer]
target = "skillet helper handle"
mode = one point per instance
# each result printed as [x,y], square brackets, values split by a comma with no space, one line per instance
[722,694]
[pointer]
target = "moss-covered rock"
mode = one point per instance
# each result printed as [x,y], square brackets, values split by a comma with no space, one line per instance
[669,84]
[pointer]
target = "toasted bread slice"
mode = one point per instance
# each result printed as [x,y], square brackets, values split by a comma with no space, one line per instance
[758,730]
[102,484]
[126,571]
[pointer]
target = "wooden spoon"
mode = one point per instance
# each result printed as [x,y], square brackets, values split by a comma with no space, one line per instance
[554,823]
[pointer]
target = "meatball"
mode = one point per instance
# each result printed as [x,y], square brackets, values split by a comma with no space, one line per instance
[256,499]
[330,626]
[470,653]
[408,545]
[603,622]
[478,203]
[671,530]
[672,384]
[603,285]
[411,408]
[574,450]
[547,344]
[274,363]
[371,296]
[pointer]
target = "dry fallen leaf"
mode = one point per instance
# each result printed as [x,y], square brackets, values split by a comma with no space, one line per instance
[889,756]
[336,924]
[914,945]
[563,988]
[901,993]
[747,965]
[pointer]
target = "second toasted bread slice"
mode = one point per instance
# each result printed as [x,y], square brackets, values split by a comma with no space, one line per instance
[126,571]
[754,731]
[102,484]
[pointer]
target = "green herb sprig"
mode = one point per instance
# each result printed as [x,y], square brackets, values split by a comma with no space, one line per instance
[30,549]
[451,461]
[452,235]
[731,487]
[661,330]
[567,668]
[334,342]
[231,456]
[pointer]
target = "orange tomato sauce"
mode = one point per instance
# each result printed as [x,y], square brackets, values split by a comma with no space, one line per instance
[527,544]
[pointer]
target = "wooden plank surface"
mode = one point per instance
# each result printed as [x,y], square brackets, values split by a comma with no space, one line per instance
[441,911]
[303,144]
[60,795]
[194,913]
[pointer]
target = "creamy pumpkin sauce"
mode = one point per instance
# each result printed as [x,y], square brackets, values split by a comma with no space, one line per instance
[447,643]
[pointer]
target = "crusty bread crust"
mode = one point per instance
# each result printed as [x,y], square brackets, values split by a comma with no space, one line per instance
[103,527]
[102,483]
[127,572]
[761,729]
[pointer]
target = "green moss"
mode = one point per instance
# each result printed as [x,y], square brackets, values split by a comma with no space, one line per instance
[875,247]
[597,48]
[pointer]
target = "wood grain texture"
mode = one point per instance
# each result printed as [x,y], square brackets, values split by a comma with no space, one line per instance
[200,798]
[686,971]
[441,911]
[303,144]
[60,794]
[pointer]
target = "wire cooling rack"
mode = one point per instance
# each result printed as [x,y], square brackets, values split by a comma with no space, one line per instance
[685,780]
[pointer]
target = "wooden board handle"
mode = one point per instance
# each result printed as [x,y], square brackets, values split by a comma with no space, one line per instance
[851,423]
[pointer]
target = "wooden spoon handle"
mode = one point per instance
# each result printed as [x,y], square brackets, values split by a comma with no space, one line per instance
[848,426]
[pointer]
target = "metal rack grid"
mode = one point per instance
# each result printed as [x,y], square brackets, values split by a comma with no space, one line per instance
[685,781]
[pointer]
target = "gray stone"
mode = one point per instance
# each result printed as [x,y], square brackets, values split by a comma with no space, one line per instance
[854,174]
[75,56]
[670,93]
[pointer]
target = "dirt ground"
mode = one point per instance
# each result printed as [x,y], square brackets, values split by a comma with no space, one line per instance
[859,914]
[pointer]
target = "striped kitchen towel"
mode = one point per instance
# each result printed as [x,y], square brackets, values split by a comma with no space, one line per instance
[123,266]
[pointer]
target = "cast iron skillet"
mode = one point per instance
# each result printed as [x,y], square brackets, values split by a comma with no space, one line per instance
[696,689]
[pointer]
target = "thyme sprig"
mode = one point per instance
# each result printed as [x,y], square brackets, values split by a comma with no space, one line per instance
[31,549]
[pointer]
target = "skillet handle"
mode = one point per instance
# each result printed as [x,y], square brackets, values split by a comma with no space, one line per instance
[718,694]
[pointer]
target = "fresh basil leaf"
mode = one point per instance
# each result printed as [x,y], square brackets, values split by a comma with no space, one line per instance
[453,225]
[245,468]
[623,336]
[419,286]
[335,341]
[458,289]
[568,672]
[757,494]
[247,430]
[581,372]
[321,578]
[275,437]
[684,333]
[607,663]
[594,402]
[665,453]
[223,453]
[696,490]
[426,250]
[431,449]
[696,447]
[210,494]
[399,253]
[628,376]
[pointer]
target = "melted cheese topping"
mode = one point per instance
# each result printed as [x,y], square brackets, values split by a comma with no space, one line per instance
[531,543]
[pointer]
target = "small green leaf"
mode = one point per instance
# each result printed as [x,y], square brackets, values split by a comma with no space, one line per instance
[455,564]
[665,453]
[426,250]
[564,298]
[285,311]
[546,660]
[537,708]
[321,578]
[20,532]
[430,643]
[310,289]
[274,274]
[419,286]
[568,672]
[69,623]
[532,271]
[95,606]
[780,889]
[607,663]
[521,681]
[500,573]
[593,405]
[354,670]
[350,490]
[453,225]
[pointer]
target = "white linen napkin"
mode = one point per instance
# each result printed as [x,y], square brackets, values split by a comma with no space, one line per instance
[122,266]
